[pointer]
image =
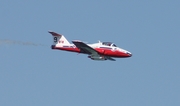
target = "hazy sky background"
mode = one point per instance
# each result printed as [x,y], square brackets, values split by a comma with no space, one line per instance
[31,74]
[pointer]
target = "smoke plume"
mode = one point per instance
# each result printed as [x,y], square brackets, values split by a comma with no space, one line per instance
[13,42]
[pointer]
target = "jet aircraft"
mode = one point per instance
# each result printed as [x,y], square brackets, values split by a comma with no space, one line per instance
[97,51]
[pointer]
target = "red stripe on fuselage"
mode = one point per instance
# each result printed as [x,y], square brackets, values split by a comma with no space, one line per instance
[71,49]
[111,53]
[101,51]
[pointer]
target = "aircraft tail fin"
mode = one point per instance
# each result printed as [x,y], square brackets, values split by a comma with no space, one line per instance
[58,39]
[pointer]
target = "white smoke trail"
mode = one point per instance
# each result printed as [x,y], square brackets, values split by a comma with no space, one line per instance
[13,42]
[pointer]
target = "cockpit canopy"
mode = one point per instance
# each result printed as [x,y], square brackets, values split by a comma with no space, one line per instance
[109,44]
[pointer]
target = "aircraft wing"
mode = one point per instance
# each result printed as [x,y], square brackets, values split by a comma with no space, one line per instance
[110,58]
[89,50]
[84,47]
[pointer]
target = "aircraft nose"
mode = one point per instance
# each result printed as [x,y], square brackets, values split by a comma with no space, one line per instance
[129,54]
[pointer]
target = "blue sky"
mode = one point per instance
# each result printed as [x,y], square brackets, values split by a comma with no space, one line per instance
[36,75]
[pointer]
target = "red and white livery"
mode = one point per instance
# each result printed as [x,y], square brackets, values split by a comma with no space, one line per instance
[96,51]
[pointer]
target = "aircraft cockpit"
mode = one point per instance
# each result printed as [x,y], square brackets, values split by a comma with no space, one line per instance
[109,44]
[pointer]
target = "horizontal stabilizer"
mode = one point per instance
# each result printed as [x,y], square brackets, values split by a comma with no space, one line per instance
[54,33]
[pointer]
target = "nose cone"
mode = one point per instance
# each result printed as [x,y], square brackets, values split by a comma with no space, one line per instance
[129,54]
